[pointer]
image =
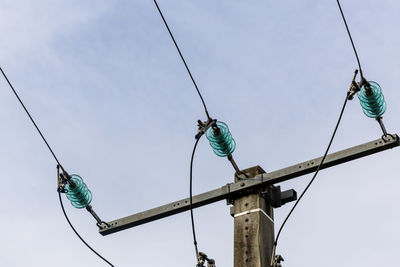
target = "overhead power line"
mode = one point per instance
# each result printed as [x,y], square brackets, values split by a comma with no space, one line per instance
[56,159]
[30,117]
[333,135]
[311,181]
[351,39]
[191,198]
[198,255]
[183,60]
[79,236]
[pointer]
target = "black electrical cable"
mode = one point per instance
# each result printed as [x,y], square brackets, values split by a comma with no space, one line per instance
[30,117]
[191,198]
[183,59]
[55,157]
[73,228]
[309,184]
[351,39]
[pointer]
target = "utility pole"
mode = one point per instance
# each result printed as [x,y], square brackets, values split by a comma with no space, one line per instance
[254,199]
[254,222]
[253,225]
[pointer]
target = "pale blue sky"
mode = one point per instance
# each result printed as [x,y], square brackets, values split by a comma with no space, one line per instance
[107,87]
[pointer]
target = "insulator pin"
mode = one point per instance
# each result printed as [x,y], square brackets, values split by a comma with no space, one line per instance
[79,194]
[372,101]
[221,140]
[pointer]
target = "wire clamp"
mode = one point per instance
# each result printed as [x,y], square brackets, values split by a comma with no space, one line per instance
[203,258]
[354,87]
[61,180]
[204,126]
[277,261]
[78,193]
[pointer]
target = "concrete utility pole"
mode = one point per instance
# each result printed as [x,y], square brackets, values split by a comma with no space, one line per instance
[253,200]
[253,225]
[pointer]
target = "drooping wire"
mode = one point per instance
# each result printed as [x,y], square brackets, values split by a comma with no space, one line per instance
[183,60]
[55,157]
[30,117]
[351,39]
[309,184]
[73,228]
[191,198]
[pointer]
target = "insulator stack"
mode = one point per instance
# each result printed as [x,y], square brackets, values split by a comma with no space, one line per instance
[221,140]
[79,194]
[372,101]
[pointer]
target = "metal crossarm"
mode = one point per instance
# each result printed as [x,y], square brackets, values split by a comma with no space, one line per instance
[234,190]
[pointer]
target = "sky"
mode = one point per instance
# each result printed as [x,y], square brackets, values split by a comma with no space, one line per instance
[106,86]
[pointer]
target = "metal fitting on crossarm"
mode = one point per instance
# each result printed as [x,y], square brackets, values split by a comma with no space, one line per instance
[371,99]
[101,224]
[279,198]
[77,192]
